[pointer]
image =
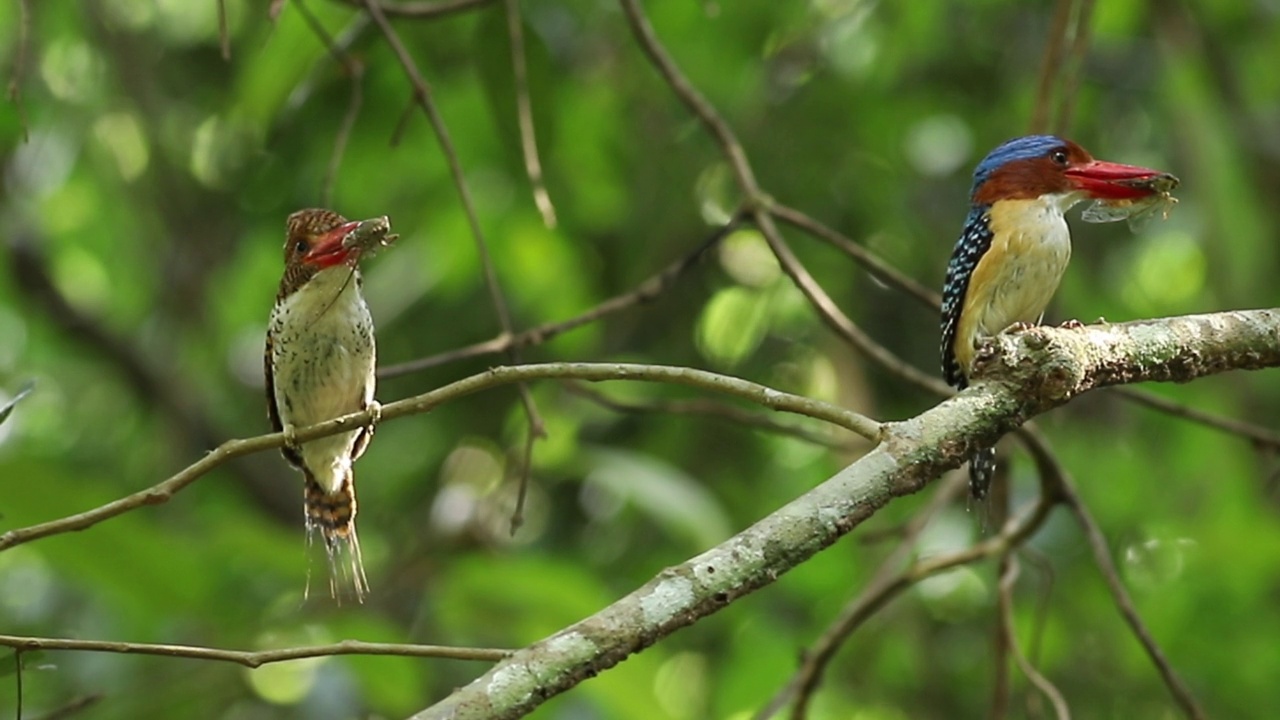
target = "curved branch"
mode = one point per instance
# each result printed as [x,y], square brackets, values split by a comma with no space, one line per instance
[1009,639]
[702,379]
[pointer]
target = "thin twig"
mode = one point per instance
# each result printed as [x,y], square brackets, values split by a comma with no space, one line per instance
[709,408]
[877,596]
[500,376]
[423,98]
[524,113]
[872,263]
[1040,621]
[522,490]
[697,104]
[422,95]
[256,658]
[646,291]
[1102,558]
[20,65]
[1075,67]
[1001,683]
[1255,433]
[873,597]
[402,123]
[1008,575]
[355,70]
[1051,66]
[835,317]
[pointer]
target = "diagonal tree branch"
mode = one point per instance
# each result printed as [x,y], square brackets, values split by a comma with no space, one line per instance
[1037,370]
[761,206]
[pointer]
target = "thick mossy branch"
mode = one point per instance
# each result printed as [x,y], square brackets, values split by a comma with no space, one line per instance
[1021,375]
[1051,365]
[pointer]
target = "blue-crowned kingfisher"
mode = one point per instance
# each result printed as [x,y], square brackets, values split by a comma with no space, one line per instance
[1015,246]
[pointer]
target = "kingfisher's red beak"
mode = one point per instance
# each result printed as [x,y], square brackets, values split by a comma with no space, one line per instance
[329,251]
[1113,181]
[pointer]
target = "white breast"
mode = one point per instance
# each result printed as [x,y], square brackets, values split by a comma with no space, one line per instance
[323,359]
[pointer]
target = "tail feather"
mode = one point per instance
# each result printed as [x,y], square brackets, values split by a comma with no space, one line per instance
[982,468]
[333,515]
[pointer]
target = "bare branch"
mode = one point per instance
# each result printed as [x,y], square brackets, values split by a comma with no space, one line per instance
[708,408]
[697,104]
[872,263]
[1009,638]
[1102,558]
[702,379]
[885,584]
[256,658]
[524,113]
[1256,434]
[1075,66]
[422,96]
[835,317]
[1051,66]
[355,70]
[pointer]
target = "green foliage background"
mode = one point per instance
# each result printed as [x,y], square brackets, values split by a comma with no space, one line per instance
[153,179]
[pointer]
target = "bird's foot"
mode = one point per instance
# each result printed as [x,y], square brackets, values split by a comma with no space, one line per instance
[1018,327]
[375,414]
[1071,324]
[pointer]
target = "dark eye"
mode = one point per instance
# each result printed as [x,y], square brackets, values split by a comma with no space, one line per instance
[300,246]
[1059,157]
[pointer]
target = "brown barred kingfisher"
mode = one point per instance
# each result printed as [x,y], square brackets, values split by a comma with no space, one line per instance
[319,361]
[1015,246]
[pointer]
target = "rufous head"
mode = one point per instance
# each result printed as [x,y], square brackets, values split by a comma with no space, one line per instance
[313,242]
[1037,165]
